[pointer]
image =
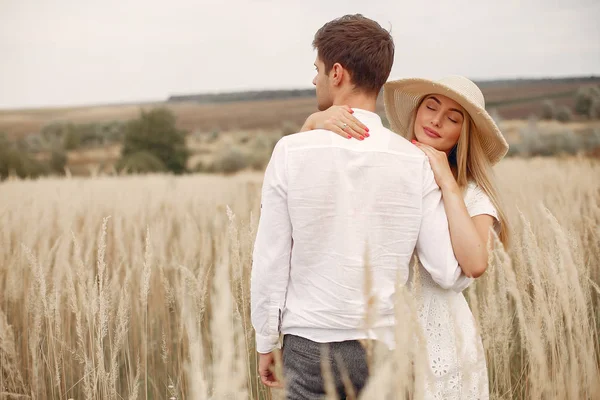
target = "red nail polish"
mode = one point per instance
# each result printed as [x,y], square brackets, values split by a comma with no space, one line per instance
[367,129]
[362,138]
[413,141]
[349,137]
[367,134]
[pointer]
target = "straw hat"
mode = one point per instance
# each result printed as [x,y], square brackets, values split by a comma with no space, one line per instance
[402,96]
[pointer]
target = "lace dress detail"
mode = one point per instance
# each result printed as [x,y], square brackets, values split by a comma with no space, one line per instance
[456,357]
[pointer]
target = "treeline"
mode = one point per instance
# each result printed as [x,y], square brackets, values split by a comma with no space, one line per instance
[527,81]
[244,96]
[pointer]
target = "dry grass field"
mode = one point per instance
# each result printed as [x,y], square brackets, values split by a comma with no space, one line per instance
[138,287]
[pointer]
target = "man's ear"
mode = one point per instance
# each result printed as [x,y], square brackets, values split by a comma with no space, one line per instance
[337,74]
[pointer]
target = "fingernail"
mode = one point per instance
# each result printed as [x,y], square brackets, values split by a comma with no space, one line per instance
[413,141]
[349,137]
[367,129]
[351,111]
[362,138]
[367,134]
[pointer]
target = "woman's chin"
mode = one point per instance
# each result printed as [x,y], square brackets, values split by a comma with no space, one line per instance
[425,140]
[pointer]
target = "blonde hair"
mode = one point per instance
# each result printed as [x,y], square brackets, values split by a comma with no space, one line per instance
[472,164]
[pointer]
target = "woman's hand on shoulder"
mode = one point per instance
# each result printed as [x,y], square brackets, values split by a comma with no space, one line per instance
[337,119]
[439,164]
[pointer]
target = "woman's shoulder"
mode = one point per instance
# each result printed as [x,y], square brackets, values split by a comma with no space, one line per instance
[478,202]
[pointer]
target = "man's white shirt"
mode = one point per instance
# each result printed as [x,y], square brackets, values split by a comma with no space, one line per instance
[326,203]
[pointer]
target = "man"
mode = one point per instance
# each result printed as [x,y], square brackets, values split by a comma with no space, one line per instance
[324,201]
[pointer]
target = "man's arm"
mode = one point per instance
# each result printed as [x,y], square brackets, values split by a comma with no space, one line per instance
[271,257]
[434,245]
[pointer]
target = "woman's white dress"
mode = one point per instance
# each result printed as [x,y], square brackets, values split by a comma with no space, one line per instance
[456,358]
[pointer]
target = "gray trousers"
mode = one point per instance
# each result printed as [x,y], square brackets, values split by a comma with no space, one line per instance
[302,367]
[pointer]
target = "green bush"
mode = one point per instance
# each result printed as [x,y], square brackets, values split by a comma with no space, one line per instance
[142,162]
[58,161]
[564,114]
[15,162]
[260,152]
[35,142]
[534,143]
[548,109]
[231,161]
[53,133]
[205,167]
[72,140]
[155,132]
[72,136]
[584,98]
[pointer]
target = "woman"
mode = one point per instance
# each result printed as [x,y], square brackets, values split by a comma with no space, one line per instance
[447,120]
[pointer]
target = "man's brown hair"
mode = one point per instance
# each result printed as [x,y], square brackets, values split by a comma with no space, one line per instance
[361,46]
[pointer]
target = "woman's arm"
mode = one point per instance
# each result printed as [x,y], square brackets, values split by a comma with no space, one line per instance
[469,235]
[338,119]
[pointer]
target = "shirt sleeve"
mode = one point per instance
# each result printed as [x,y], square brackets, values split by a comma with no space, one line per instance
[271,256]
[478,203]
[434,246]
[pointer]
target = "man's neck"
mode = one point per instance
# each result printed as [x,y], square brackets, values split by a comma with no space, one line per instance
[357,100]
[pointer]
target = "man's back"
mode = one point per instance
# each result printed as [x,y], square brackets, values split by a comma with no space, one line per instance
[345,198]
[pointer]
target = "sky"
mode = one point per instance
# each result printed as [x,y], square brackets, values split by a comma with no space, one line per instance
[81,52]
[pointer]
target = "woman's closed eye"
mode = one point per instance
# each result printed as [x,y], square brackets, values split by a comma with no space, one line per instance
[455,117]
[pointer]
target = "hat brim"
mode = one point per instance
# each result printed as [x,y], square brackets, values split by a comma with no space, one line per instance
[401,97]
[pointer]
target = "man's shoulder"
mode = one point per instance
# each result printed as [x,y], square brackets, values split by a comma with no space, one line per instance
[400,144]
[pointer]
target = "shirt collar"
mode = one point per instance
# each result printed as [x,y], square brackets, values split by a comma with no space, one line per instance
[367,117]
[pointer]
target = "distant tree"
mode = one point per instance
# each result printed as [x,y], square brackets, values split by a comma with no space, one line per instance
[72,140]
[58,161]
[155,132]
[548,109]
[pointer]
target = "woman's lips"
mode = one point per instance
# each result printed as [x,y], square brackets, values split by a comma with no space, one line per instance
[431,133]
